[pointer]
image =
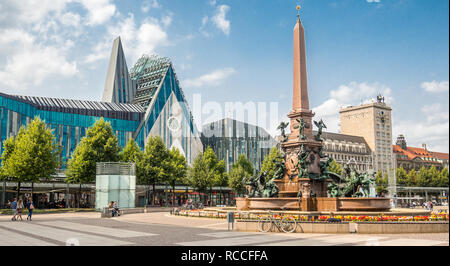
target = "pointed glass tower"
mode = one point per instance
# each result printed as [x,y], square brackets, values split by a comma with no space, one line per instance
[119,88]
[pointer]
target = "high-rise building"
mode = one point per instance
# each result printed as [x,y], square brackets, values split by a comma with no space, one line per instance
[373,122]
[230,138]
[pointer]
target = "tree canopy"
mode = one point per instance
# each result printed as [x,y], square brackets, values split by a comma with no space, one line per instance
[131,153]
[269,165]
[240,173]
[32,155]
[431,177]
[99,145]
[207,171]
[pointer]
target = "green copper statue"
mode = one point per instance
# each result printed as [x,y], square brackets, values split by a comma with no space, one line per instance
[320,125]
[280,167]
[352,184]
[302,164]
[301,126]
[259,188]
[283,127]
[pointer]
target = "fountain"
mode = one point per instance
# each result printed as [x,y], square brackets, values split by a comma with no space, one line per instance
[303,182]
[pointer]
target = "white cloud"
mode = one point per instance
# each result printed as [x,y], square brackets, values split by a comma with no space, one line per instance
[220,19]
[33,66]
[435,87]
[433,131]
[373,1]
[136,39]
[149,4]
[99,11]
[352,94]
[214,78]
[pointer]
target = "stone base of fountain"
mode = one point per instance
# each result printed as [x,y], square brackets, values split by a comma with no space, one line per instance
[314,204]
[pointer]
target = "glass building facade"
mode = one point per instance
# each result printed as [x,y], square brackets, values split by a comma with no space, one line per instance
[68,119]
[230,138]
[149,103]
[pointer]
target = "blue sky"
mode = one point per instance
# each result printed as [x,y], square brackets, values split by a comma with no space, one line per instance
[235,50]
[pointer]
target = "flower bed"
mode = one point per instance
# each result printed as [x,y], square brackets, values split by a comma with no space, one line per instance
[322,218]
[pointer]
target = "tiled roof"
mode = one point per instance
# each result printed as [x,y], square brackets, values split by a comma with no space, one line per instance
[440,155]
[412,153]
[342,137]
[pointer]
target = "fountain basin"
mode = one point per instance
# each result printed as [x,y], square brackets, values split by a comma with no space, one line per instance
[314,204]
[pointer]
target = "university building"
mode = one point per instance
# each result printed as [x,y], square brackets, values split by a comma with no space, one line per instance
[230,138]
[146,102]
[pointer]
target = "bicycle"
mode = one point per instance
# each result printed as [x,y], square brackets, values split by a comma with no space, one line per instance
[285,224]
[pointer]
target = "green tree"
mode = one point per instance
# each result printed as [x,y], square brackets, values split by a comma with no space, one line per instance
[239,175]
[423,177]
[245,164]
[435,176]
[153,168]
[269,165]
[335,168]
[381,183]
[131,153]
[443,178]
[412,178]
[177,169]
[402,177]
[32,155]
[99,145]
[207,171]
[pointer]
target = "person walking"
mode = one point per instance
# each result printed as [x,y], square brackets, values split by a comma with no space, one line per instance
[19,209]
[14,209]
[30,207]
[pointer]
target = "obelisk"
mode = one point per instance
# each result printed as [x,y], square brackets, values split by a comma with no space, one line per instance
[300,104]
[302,150]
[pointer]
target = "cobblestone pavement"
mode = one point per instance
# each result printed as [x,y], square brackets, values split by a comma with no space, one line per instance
[161,229]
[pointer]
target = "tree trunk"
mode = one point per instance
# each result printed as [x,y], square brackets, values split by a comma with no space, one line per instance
[153,195]
[173,195]
[79,197]
[18,190]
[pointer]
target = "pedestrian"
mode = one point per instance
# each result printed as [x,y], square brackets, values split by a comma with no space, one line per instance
[430,204]
[19,209]
[14,209]
[30,207]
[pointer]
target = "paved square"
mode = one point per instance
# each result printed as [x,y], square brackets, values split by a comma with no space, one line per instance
[161,229]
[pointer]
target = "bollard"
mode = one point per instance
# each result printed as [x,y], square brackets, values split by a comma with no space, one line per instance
[230,220]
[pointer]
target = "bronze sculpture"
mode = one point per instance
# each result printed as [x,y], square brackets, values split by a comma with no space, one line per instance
[283,127]
[320,125]
[301,126]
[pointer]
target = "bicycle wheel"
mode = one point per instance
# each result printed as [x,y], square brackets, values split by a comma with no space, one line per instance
[288,224]
[264,225]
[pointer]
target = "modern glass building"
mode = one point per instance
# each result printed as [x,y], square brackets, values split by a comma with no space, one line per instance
[147,102]
[230,138]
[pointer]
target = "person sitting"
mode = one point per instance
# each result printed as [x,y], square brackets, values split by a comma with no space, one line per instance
[111,207]
[116,208]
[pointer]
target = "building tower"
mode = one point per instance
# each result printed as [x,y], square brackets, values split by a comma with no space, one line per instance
[119,88]
[373,122]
